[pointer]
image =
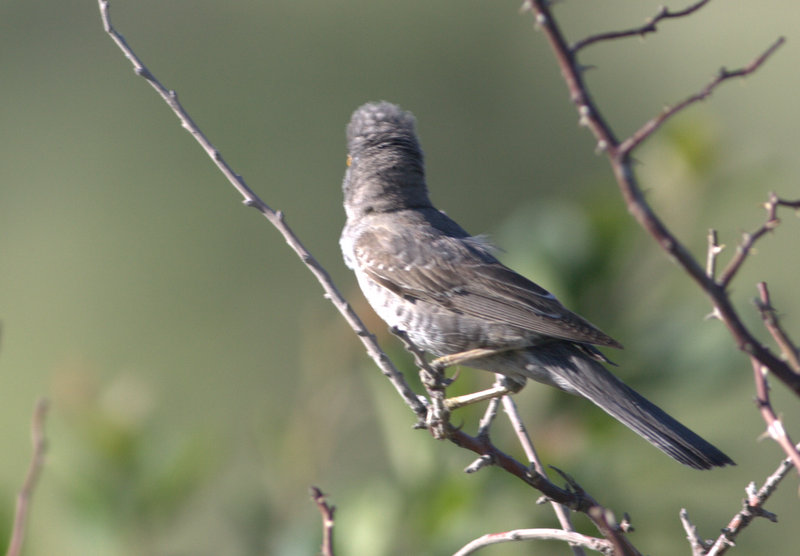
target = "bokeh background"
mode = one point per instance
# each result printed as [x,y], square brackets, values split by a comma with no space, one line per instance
[199,381]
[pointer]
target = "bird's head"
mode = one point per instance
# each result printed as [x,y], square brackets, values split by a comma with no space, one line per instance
[385,170]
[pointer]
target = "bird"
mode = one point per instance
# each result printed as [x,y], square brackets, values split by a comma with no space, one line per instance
[443,288]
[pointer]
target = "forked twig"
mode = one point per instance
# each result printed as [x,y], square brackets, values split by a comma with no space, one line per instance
[752,507]
[749,240]
[723,75]
[775,428]
[562,513]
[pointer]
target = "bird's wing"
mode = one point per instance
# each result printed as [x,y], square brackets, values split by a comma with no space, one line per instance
[462,276]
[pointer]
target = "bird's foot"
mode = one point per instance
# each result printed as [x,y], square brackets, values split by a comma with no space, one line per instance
[493,392]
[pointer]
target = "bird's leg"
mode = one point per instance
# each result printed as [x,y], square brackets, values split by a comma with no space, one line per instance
[475,397]
[507,386]
[441,363]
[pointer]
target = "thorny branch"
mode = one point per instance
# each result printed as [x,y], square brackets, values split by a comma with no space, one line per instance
[668,112]
[752,507]
[769,315]
[750,239]
[619,155]
[649,27]
[775,428]
[789,351]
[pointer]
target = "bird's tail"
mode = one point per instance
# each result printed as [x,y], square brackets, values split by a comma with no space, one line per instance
[571,368]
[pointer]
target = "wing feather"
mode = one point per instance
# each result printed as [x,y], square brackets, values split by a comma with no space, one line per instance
[462,276]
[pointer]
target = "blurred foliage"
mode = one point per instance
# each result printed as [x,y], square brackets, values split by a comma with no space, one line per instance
[200,382]
[129,475]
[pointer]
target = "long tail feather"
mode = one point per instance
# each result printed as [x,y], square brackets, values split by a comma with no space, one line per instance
[570,368]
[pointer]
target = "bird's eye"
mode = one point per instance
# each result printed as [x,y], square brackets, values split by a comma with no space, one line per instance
[349,160]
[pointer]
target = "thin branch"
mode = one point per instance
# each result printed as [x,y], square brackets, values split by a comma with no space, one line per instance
[752,507]
[489,415]
[723,75]
[749,239]
[39,442]
[770,317]
[775,428]
[326,511]
[649,27]
[574,539]
[577,501]
[699,546]
[575,498]
[276,218]
[619,155]
[608,527]
[562,513]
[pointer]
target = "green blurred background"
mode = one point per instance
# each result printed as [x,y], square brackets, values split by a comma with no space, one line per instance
[200,382]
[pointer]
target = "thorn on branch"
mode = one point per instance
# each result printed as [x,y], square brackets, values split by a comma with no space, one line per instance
[714,249]
[484,461]
[789,350]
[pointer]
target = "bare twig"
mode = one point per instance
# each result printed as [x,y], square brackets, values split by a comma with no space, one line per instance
[770,317]
[575,499]
[578,501]
[775,428]
[750,239]
[489,415]
[699,546]
[326,511]
[562,513]
[276,218]
[752,507]
[574,539]
[39,442]
[723,75]
[649,27]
